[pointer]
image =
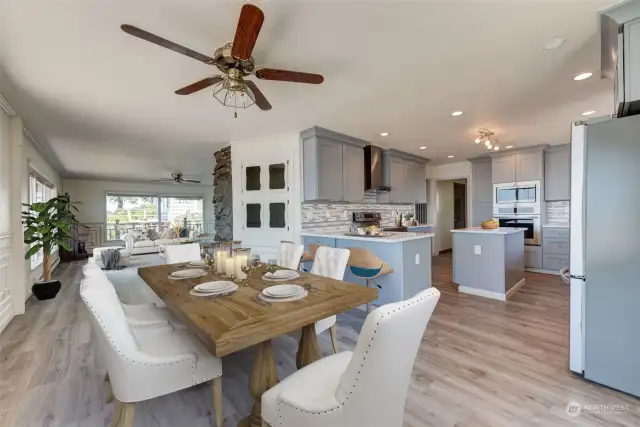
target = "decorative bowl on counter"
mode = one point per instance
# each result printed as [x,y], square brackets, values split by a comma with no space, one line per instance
[491,224]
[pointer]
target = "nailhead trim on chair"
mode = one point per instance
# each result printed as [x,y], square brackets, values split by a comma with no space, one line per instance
[375,330]
[193,366]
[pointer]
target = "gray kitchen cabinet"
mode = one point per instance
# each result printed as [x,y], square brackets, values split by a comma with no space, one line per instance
[533,256]
[555,248]
[481,212]
[631,58]
[405,174]
[557,173]
[333,166]
[481,176]
[518,167]
[503,169]
[353,174]
[529,166]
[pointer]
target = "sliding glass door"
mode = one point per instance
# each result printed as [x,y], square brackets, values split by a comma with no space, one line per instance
[126,213]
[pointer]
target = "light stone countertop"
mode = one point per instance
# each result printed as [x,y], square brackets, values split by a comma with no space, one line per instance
[500,230]
[556,225]
[391,237]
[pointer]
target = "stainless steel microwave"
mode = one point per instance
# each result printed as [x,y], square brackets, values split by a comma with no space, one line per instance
[521,193]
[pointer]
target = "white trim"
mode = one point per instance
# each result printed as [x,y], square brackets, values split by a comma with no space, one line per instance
[482,293]
[514,288]
[6,311]
[542,271]
[6,107]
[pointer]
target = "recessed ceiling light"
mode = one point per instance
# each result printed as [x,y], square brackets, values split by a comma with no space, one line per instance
[423,148]
[554,43]
[583,76]
[384,134]
[509,146]
[451,157]
[456,113]
[588,113]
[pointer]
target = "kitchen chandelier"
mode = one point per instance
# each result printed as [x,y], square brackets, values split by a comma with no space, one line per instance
[489,139]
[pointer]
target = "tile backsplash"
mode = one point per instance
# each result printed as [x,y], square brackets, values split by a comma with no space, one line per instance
[336,217]
[558,213]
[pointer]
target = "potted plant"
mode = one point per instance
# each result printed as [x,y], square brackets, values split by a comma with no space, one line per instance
[48,224]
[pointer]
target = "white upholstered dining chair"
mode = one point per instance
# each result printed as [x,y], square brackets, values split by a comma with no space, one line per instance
[365,388]
[182,253]
[148,362]
[330,262]
[138,315]
[289,255]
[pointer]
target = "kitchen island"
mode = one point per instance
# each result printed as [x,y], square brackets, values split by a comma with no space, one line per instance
[489,263]
[408,254]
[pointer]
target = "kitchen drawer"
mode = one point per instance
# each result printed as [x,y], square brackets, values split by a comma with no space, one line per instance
[555,245]
[533,256]
[326,241]
[555,262]
[555,232]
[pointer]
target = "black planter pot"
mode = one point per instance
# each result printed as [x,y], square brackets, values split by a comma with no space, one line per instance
[46,290]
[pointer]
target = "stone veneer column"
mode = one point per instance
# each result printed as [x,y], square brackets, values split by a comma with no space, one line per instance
[222,195]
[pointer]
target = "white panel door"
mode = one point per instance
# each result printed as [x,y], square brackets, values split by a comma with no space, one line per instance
[265,202]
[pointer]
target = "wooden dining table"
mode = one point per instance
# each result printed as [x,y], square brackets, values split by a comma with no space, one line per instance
[226,324]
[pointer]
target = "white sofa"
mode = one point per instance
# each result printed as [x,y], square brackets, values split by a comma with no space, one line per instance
[152,246]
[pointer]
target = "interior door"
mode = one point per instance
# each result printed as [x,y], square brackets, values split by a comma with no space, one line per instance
[612,251]
[459,205]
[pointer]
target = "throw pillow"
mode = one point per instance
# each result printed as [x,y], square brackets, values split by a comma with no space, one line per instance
[144,236]
[184,232]
[153,234]
[170,234]
[136,235]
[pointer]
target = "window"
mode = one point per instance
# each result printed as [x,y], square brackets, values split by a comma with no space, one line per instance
[129,212]
[277,215]
[277,176]
[253,215]
[40,191]
[253,178]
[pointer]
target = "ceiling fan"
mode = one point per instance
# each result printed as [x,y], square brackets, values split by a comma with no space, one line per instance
[235,61]
[177,178]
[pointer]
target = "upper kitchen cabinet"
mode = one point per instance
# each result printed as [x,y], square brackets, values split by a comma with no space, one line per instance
[503,169]
[405,175]
[333,166]
[557,173]
[481,175]
[518,167]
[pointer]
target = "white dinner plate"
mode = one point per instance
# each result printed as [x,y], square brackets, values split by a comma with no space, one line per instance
[197,264]
[282,291]
[192,272]
[282,275]
[213,287]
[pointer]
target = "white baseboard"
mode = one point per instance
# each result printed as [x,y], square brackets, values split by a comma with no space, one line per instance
[482,293]
[514,288]
[6,312]
[542,271]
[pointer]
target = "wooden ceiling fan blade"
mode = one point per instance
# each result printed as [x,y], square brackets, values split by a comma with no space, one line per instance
[195,181]
[261,101]
[202,84]
[145,35]
[249,25]
[288,76]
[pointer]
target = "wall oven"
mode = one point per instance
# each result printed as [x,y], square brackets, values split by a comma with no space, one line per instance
[530,223]
[521,193]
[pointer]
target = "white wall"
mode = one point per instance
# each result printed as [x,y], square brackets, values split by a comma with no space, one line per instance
[7,272]
[93,201]
[445,208]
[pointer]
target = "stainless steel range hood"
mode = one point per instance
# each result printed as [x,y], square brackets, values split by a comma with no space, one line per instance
[373,169]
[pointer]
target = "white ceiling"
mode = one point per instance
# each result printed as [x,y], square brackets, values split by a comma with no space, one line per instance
[103,100]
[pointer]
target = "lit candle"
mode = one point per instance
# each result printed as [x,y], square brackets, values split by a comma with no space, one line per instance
[240,261]
[228,269]
[221,261]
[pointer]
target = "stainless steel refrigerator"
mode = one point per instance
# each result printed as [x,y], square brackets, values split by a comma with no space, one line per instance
[605,252]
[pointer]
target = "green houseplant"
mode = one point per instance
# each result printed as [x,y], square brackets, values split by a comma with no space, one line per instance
[48,224]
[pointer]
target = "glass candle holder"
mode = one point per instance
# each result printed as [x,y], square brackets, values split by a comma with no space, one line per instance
[223,253]
[241,260]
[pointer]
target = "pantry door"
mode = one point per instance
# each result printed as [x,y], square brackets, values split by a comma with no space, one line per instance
[266,212]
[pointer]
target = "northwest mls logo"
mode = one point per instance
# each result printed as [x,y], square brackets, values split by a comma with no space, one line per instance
[573,409]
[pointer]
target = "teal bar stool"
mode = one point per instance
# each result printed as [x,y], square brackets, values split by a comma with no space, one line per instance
[366,265]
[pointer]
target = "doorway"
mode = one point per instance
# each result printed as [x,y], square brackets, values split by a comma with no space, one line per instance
[451,208]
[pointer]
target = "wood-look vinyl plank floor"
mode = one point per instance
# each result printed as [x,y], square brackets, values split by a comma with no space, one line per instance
[482,363]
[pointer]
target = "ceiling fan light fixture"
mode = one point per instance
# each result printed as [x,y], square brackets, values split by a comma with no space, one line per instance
[478,140]
[234,94]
